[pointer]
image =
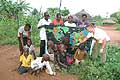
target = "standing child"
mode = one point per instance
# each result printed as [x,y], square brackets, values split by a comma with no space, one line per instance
[24,33]
[31,48]
[25,61]
[80,54]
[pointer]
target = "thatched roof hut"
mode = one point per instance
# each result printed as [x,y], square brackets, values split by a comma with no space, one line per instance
[108,22]
[79,15]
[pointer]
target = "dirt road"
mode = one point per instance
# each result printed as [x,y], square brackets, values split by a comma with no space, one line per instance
[9,61]
[114,34]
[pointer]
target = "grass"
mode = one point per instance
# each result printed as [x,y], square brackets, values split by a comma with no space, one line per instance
[95,70]
[9,31]
[117,26]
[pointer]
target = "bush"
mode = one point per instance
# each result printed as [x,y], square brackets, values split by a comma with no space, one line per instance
[117,26]
[96,71]
[9,30]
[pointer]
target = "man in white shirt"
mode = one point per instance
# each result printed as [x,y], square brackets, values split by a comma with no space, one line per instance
[40,62]
[43,37]
[70,22]
[101,38]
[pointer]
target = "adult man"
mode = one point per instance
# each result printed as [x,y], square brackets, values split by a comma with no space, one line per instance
[83,22]
[101,38]
[58,20]
[70,22]
[43,38]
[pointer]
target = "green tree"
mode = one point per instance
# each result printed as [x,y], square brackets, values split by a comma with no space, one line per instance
[54,11]
[98,20]
[116,17]
[35,11]
[11,10]
[65,12]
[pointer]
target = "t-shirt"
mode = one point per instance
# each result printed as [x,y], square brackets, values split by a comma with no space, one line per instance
[55,22]
[37,64]
[42,30]
[99,35]
[31,48]
[26,62]
[82,24]
[21,30]
[69,24]
[80,54]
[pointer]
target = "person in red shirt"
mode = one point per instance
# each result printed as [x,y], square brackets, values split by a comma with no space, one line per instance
[58,20]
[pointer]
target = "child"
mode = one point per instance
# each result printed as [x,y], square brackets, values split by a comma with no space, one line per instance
[40,62]
[69,50]
[25,61]
[80,54]
[31,48]
[24,33]
[51,50]
[61,56]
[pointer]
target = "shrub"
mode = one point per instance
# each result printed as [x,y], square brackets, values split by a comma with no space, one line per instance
[9,30]
[96,71]
[117,26]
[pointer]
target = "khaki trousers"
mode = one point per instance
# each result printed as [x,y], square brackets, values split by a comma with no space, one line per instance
[96,51]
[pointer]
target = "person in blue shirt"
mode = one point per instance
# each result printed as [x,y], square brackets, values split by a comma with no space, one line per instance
[83,22]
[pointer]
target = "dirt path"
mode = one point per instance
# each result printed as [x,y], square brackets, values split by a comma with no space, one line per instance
[9,61]
[114,34]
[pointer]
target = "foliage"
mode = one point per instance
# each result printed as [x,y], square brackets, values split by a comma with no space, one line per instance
[65,12]
[37,13]
[54,11]
[9,29]
[10,9]
[98,20]
[116,15]
[117,26]
[96,71]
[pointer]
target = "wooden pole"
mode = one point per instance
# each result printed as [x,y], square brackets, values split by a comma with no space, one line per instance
[60,5]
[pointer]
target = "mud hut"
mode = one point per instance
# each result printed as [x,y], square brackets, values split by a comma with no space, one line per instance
[79,15]
[108,22]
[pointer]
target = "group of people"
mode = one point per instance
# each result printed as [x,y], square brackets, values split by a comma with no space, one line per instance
[60,55]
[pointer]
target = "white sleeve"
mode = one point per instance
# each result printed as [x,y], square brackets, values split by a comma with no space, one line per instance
[32,47]
[20,30]
[89,35]
[39,23]
[49,68]
[65,23]
[50,21]
[33,64]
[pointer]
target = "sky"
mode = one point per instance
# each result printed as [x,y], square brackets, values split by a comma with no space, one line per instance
[93,7]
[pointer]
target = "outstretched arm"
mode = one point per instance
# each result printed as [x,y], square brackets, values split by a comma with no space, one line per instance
[85,39]
[21,39]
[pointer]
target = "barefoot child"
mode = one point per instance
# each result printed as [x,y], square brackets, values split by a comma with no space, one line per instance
[31,48]
[80,54]
[25,61]
[40,62]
